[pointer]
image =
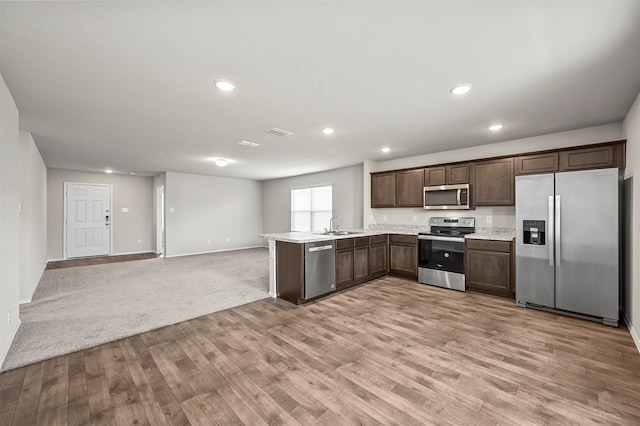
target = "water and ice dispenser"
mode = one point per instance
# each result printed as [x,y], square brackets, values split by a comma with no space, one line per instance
[534,232]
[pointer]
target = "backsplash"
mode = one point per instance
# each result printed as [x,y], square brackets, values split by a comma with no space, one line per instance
[418,219]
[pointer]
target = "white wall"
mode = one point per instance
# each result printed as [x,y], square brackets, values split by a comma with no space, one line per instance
[347,197]
[158,184]
[502,217]
[9,219]
[133,192]
[631,126]
[204,211]
[33,216]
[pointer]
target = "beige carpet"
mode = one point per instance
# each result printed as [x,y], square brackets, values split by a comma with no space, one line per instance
[77,308]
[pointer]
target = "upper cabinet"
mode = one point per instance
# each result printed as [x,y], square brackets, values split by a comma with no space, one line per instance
[452,174]
[457,174]
[493,182]
[587,158]
[383,189]
[537,163]
[409,185]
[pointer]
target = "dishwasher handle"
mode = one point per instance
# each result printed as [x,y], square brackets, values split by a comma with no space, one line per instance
[320,248]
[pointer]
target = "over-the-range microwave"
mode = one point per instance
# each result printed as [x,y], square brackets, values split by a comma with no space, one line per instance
[448,197]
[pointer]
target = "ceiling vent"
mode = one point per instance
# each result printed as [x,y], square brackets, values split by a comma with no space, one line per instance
[248,144]
[279,132]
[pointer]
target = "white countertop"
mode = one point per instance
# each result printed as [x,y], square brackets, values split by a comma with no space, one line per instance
[499,234]
[311,237]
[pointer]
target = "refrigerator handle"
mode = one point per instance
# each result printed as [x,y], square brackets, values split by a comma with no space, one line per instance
[558,232]
[551,226]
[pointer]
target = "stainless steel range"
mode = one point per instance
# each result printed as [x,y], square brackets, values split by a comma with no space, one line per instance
[441,252]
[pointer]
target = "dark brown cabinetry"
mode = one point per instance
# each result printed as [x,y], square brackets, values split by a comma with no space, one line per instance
[434,176]
[383,190]
[344,263]
[377,256]
[452,174]
[488,267]
[587,158]
[409,184]
[361,260]
[493,182]
[403,255]
[537,163]
[290,271]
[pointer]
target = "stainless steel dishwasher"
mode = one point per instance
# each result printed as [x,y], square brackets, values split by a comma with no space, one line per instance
[319,268]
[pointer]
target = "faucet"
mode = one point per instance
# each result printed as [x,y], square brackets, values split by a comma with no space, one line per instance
[331,223]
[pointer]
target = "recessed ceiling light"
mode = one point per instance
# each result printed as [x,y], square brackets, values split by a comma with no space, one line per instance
[496,127]
[221,162]
[226,85]
[327,130]
[386,149]
[460,89]
[108,171]
[248,144]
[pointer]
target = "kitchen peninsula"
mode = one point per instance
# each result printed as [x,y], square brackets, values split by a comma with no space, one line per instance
[359,256]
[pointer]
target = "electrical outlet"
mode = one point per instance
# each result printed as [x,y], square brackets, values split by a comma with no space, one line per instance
[371,218]
[208,241]
[415,219]
[489,219]
[384,217]
[9,317]
[228,239]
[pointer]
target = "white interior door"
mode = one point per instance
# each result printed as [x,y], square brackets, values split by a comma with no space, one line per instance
[88,218]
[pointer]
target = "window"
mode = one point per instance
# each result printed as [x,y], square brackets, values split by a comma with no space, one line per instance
[311,208]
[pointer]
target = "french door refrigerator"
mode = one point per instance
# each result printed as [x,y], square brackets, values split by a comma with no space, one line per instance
[567,233]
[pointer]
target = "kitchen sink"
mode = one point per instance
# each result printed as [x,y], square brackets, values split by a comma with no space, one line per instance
[337,233]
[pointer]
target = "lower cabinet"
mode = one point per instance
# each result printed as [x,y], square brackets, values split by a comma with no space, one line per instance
[488,267]
[360,259]
[403,255]
[290,271]
[377,256]
[344,263]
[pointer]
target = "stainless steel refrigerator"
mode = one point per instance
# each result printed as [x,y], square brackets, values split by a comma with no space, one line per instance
[567,249]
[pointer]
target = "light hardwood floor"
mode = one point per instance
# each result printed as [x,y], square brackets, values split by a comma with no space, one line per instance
[391,352]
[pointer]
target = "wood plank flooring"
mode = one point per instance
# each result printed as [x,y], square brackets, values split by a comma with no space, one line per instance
[389,352]
[99,260]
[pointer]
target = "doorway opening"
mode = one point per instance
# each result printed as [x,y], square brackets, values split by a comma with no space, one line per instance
[160,220]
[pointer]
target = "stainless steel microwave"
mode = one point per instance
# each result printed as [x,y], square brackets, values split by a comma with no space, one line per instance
[448,197]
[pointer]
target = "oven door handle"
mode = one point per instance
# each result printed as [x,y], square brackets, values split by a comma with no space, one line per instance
[438,238]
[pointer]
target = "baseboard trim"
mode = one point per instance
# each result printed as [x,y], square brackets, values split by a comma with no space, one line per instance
[632,331]
[5,350]
[132,252]
[213,251]
[23,301]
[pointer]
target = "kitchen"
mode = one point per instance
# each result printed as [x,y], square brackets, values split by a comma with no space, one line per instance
[438,255]
[132,85]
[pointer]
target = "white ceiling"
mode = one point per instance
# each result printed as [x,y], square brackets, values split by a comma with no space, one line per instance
[129,85]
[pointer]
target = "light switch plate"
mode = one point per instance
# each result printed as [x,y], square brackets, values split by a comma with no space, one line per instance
[125,210]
